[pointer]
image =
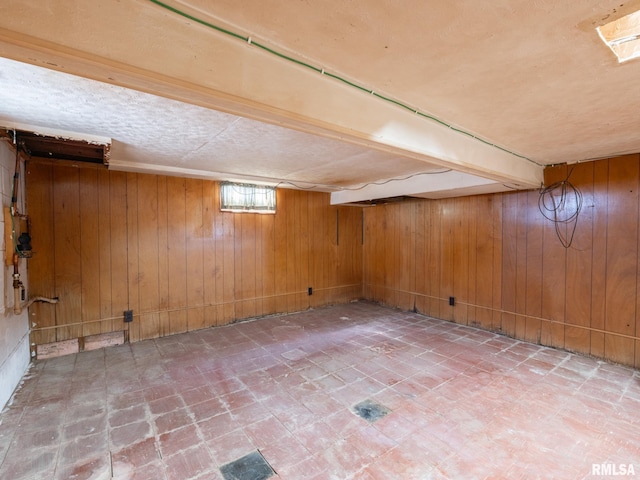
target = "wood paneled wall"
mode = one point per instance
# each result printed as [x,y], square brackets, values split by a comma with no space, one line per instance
[105,242]
[506,268]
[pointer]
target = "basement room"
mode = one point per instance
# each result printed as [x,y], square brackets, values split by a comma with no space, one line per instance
[334,240]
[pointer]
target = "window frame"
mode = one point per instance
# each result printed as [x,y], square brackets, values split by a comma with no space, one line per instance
[238,197]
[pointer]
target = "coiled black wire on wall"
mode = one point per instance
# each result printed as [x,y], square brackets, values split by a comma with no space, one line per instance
[561,203]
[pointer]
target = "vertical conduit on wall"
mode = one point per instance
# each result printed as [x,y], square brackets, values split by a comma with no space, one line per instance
[20,236]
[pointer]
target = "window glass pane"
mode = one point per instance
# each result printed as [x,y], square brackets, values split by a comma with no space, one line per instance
[242,197]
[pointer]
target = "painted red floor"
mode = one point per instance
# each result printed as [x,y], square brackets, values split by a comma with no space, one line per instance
[464,404]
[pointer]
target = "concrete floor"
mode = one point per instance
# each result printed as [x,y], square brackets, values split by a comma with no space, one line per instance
[463,403]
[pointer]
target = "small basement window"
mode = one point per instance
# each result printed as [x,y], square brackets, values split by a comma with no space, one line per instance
[244,197]
[622,36]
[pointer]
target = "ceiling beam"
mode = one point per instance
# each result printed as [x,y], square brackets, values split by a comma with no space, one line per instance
[150,49]
[433,185]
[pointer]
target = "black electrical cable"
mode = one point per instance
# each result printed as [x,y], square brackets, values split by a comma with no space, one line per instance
[299,187]
[384,182]
[561,203]
[396,180]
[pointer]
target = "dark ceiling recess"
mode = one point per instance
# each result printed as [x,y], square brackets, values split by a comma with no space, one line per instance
[61,148]
[382,201]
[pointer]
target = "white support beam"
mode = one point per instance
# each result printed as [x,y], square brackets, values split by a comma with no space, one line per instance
[437,185]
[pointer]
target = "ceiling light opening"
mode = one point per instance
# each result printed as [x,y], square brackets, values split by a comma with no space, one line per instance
[622,36]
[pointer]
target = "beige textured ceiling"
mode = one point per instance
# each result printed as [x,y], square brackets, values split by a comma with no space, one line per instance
[148,130]
[529,76]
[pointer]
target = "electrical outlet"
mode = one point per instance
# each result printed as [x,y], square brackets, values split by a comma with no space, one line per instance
[310,291]
[452,301]
[128,316]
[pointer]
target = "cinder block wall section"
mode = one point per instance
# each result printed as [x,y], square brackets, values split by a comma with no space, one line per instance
[14,329]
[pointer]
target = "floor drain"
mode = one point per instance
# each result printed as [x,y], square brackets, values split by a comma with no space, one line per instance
[250,467]
[370,411]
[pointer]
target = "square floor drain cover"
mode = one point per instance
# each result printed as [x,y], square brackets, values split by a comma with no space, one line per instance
[250,467]
[370,411]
